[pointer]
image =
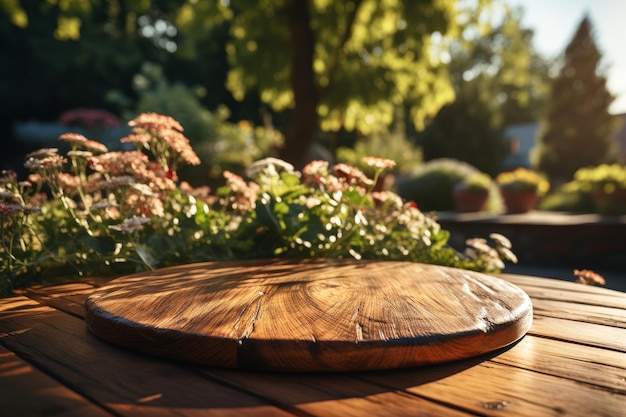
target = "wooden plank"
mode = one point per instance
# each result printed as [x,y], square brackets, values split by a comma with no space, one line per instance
[561,284]
[594,366]
[125,383]
[69,298]
[554,289]
[607,337]
[596,373]
[97,281]
[310,315]
[494,389]
[331,395]
[570,364]
[25,391]
[606,316]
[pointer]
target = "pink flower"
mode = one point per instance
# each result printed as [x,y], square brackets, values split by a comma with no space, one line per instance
[89,118]
[589,277]
[72,137]
[352,175]
[9,209]
[155,121]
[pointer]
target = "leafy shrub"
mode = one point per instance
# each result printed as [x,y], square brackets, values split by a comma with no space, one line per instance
[431,185]
[237,145]
[477,183]
[605,177]
[589,183]
[577,195]
[220,144]
[385,144]
[119,212]
[567,199]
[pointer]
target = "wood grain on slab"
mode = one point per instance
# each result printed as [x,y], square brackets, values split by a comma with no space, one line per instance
[310,315]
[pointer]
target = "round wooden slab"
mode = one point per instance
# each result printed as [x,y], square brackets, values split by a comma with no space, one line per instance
[310,315]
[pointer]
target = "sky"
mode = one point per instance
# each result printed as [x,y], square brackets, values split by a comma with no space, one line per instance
[555,22]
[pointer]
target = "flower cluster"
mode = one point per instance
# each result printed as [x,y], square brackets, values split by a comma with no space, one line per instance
[522,179]
[607,178]
[94,211]
[589,277]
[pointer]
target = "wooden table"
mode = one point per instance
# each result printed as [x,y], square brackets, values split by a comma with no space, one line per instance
[572,362]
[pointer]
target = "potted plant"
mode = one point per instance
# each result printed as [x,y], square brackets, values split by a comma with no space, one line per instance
[471,193]
[521,189]
[607,185]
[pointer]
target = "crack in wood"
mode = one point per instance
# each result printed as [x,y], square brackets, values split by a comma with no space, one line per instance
[253,318]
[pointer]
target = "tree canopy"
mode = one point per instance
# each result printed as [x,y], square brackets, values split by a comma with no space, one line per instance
[577,129]
[319,64]
[495,43]
[499,80]
[346,64]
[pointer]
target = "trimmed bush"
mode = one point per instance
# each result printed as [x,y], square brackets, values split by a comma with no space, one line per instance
[431,185]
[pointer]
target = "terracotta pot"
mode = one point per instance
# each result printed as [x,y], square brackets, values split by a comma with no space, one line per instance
[519,201]
[612,204]
[470,201]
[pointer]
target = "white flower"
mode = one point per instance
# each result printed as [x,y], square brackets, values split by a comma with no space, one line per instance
[131,225]
[269,166]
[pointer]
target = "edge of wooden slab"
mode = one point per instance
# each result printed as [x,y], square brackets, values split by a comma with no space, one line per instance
[302,354]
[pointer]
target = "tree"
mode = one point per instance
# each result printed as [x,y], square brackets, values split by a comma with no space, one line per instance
[469,129]
[494,43]
[499,79]
[90,47]
[343,64]
[577,129]
[64,55]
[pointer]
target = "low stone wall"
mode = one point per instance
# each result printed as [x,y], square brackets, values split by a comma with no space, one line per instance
[548,238]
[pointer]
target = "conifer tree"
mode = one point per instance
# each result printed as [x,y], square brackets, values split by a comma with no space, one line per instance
[577,129]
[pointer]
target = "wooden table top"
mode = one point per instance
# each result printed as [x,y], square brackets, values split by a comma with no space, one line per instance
[572,362]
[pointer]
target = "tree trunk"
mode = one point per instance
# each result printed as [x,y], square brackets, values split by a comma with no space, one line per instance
[303,120]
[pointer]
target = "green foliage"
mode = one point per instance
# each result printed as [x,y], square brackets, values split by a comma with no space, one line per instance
[496,47]
[584,192]
[386,144]
[105,57]
[567,199]
[115,39]
[499,79]
[235,146]
[383,45]
[478,182]
[469,130]
[606,185]
[120,212]
[326,215]
[431,185]
[156,94]
[606,177]
[220,144]
[577,129]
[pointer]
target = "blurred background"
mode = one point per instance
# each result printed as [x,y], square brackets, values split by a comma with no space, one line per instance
[450,87]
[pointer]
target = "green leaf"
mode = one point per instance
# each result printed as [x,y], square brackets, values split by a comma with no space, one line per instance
[146,257]
[103,245]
